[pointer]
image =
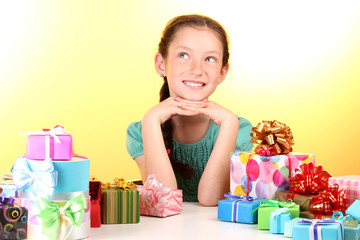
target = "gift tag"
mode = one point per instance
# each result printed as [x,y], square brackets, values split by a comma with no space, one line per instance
[351,223]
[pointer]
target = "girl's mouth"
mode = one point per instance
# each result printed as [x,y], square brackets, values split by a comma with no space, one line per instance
[194,84]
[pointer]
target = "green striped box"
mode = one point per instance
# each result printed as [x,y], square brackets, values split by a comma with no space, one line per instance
[119,206]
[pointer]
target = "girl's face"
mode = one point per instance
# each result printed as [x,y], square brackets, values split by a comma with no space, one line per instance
[193,65]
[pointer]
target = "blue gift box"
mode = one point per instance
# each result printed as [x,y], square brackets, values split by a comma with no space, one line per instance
[318,230]
[351,231]
[238,208]
[278,218]
[289,225]
[8,187]
[354,210]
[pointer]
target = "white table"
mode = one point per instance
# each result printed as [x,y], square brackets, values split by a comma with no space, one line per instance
[194,223]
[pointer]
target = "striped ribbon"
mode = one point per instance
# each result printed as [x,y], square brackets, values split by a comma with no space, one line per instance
[315,227]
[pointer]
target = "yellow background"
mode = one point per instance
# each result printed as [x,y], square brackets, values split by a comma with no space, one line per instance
[88,66]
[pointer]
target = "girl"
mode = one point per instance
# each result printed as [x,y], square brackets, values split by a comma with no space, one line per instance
[186,139]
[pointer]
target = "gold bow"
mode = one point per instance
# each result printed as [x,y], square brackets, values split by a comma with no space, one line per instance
[275,134]
[119,183]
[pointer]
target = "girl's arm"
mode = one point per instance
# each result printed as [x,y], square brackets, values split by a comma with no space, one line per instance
[155,159]
[215,180]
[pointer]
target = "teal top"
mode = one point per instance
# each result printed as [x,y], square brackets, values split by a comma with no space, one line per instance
[195,154]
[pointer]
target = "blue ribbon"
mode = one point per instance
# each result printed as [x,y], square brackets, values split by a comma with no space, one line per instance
[341,216]
[240,198]
[42,180]
[315,223]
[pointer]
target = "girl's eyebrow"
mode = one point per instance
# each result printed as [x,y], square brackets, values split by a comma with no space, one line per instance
[189,49]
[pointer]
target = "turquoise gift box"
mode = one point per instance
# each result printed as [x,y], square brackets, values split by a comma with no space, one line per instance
[238,208]
[351,226]
[354,210]
[278,218]
[289,225]
[317,229]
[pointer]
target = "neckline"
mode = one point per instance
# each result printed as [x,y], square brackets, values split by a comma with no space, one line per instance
[198,142]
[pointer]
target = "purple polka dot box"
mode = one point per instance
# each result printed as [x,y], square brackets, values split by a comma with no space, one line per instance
[261,176]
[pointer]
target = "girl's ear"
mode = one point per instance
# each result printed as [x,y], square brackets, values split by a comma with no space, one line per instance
[160,64]
[223,72]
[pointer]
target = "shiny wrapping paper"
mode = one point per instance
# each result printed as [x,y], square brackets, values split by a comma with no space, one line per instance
[261,176]
[13,222]
[95,197]
[302,200]
[119,205]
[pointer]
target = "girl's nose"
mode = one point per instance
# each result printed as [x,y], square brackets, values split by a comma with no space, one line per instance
[196,67]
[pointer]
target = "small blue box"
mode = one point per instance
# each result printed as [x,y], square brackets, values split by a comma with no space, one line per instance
[333,230]
[278,218]
[237,210]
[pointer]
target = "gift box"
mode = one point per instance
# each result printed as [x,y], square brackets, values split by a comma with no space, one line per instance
[351,226]
[261,176]
[237,208]
[310,215]
[159,201]
[268,206]
[95,197]
[58,219]
[278,218]
[8,188]
[289,225]
[54,143]
[302,200]
[13,222]
[120,203]
[311,229]
[354,210]
[350,183]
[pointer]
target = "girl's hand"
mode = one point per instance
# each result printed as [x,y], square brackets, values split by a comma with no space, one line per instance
[174,106]
[218,114]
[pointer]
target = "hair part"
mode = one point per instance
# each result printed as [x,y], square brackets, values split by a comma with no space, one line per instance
[169,32]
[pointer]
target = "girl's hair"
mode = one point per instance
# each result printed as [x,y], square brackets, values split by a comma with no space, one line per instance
[197,21]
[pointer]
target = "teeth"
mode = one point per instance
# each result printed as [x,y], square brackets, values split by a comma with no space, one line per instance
[192,84]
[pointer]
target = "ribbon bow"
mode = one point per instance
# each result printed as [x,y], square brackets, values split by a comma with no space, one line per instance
[57,130]
[119,183]
[54,216]
[240,197]
[44,179]
[275,138]
[309,179]
[330,200]
[314,232]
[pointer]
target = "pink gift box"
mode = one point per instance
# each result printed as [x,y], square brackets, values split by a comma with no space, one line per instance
[35,148]
[159,201]
[350,183]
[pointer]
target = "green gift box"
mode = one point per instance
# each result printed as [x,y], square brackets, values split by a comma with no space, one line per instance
[119,205]
[268,206]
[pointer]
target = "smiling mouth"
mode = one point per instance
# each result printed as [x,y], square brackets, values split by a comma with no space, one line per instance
[193,84]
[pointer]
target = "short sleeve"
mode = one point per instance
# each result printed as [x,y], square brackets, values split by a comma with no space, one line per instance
[243,141]
[134,140]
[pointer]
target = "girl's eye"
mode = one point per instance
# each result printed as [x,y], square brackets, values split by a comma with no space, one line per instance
[210,59]
[183,55]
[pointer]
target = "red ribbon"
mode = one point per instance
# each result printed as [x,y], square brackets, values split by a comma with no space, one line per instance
[270,151]
[309,179]
[330,200]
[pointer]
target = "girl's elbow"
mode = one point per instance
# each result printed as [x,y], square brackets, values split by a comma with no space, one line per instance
[207,201]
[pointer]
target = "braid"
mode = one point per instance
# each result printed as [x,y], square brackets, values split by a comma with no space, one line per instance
[180,168]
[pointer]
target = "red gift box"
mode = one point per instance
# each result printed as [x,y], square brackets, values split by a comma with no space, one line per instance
[95,198]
